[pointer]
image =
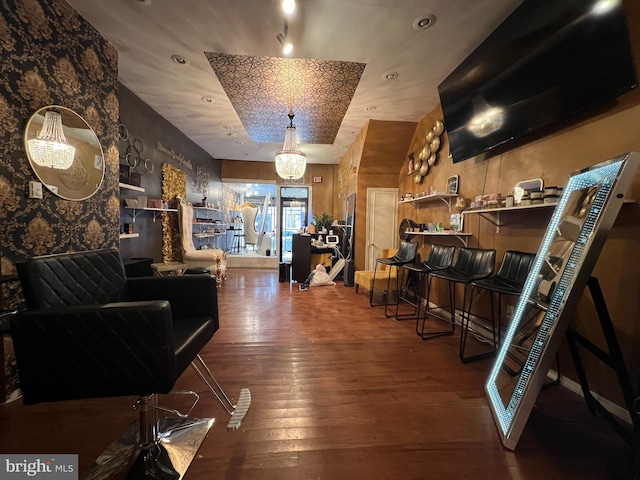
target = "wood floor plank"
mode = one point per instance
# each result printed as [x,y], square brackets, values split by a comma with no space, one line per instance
[339,392]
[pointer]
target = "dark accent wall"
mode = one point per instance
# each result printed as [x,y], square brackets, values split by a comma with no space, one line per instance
[49,55]
[146,128]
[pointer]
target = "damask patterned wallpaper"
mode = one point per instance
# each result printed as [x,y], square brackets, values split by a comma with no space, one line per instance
[49,55]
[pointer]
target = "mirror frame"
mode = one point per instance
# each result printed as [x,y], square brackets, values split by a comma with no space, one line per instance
[87,166]
[612,179]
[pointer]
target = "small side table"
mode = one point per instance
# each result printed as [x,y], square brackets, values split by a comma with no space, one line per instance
[170,268]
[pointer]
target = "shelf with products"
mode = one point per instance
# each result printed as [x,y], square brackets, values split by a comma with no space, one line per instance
[446,198]
[133,188]
[494,215]
[208,227]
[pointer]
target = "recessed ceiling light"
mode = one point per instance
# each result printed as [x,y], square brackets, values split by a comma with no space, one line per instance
[207,99]
[424,22]
[142,2]
[371,108]
[391,75]
[288,6]
[179,59]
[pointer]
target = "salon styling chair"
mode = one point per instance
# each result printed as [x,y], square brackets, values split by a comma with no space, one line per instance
[249,214]
[212,258]
[90,332]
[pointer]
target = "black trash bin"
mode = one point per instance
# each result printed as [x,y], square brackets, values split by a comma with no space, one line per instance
[285,271]
[349,274]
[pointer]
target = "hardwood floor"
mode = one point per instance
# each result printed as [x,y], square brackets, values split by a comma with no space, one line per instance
[339,392]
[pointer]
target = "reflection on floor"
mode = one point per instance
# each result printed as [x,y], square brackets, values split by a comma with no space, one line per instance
[251,259]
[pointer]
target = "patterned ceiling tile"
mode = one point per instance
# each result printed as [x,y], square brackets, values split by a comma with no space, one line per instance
[264,89]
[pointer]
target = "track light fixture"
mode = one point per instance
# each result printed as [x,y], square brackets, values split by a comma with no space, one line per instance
[287,46]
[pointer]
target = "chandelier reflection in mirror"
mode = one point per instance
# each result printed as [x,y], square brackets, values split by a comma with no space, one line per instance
[290,161]
[49,148]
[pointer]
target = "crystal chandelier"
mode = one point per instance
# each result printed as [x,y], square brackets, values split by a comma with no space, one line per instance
[49,148]
[290,162]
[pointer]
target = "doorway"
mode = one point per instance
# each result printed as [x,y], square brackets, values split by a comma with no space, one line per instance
[294,211]
[382,221]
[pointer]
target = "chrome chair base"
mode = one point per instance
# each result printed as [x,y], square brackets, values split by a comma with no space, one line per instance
[167,454]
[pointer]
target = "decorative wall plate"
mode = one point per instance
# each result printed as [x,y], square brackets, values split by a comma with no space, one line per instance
[430,136]
[435,144]
[417,178]
[438,127]
[424,168]
[431,161]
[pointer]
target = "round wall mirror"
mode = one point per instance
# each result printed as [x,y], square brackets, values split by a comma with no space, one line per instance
[64,152]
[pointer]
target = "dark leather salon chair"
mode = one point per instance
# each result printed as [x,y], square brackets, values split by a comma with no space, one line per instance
[89,332]
[406,254]
[470,265]
[509,281]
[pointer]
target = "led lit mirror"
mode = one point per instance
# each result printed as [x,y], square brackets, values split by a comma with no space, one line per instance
[64,152]
[570,248]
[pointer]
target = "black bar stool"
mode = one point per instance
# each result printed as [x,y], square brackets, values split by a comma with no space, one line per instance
[509,280]
[470,265]
[406,254]
[440,257]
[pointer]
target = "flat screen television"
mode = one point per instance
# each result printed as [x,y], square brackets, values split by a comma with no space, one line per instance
[546,62]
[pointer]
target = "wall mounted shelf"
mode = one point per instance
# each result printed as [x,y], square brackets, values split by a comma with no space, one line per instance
[494,215]
[126,186]
[443,197]
[207,209]
[156,211]
[129,235]
[463,237]
[208,228]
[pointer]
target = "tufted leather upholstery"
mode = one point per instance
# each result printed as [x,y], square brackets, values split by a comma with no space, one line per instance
[95,277]
[90,332]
